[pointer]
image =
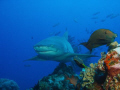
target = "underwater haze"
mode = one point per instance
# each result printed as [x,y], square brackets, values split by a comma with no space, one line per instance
[23,23]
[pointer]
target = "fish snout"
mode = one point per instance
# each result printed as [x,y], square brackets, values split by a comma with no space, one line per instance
[36,48]
[39,48]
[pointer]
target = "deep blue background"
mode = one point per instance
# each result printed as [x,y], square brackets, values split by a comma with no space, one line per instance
[20,20]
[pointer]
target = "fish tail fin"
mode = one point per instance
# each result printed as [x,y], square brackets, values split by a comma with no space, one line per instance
[85,44]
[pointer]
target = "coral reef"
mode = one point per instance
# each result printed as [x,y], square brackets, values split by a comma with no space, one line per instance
[88,81]
[113,45]
[6,84]
[106,74]
[112,62]
[62,78]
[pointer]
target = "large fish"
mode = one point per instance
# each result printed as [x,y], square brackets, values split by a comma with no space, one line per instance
[56,48]
[100,37]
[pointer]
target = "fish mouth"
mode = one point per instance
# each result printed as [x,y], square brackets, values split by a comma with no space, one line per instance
[44,49]
[49,51]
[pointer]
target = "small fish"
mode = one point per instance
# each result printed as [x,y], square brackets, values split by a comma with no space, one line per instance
[98,38]
[96,13]
[114,16]
[79,62]
[109,15]
[87,31]
[56,24]
[32,37]
[54,33]
[66,29]
[57,33]
[75,20]
[91,31]
[95,22]
[102,20]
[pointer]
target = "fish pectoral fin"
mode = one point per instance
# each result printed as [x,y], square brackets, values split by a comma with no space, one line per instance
[87,45]
[83,56]
[36,58]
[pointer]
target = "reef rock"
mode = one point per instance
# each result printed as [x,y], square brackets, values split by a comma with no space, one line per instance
[6,84]
[62,78]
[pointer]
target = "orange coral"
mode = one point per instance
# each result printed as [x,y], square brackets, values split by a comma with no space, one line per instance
[107,63]
[111,58]
[112,63]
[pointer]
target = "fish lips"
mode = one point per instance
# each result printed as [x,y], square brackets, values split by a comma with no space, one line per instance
[44,49]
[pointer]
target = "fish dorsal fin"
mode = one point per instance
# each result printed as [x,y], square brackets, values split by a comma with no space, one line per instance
[66,35]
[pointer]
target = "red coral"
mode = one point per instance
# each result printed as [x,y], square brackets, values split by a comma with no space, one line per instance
[111,58]
[113,66]
[113,72]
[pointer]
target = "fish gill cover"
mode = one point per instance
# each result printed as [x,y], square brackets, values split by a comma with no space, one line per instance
[23,23]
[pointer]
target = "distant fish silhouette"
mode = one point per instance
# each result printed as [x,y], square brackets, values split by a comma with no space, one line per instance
[87,31]
[96,13]
[56,24]
[57,33]
[91,31]
[114,16]
[66,29]
[99,37]
[95,22]
[75,20]
[32,37]
[109,15]
[102,20]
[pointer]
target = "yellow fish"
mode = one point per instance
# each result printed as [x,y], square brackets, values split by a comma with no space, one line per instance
[79,62]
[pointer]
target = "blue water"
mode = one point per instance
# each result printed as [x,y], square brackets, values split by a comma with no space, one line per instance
[23,23]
